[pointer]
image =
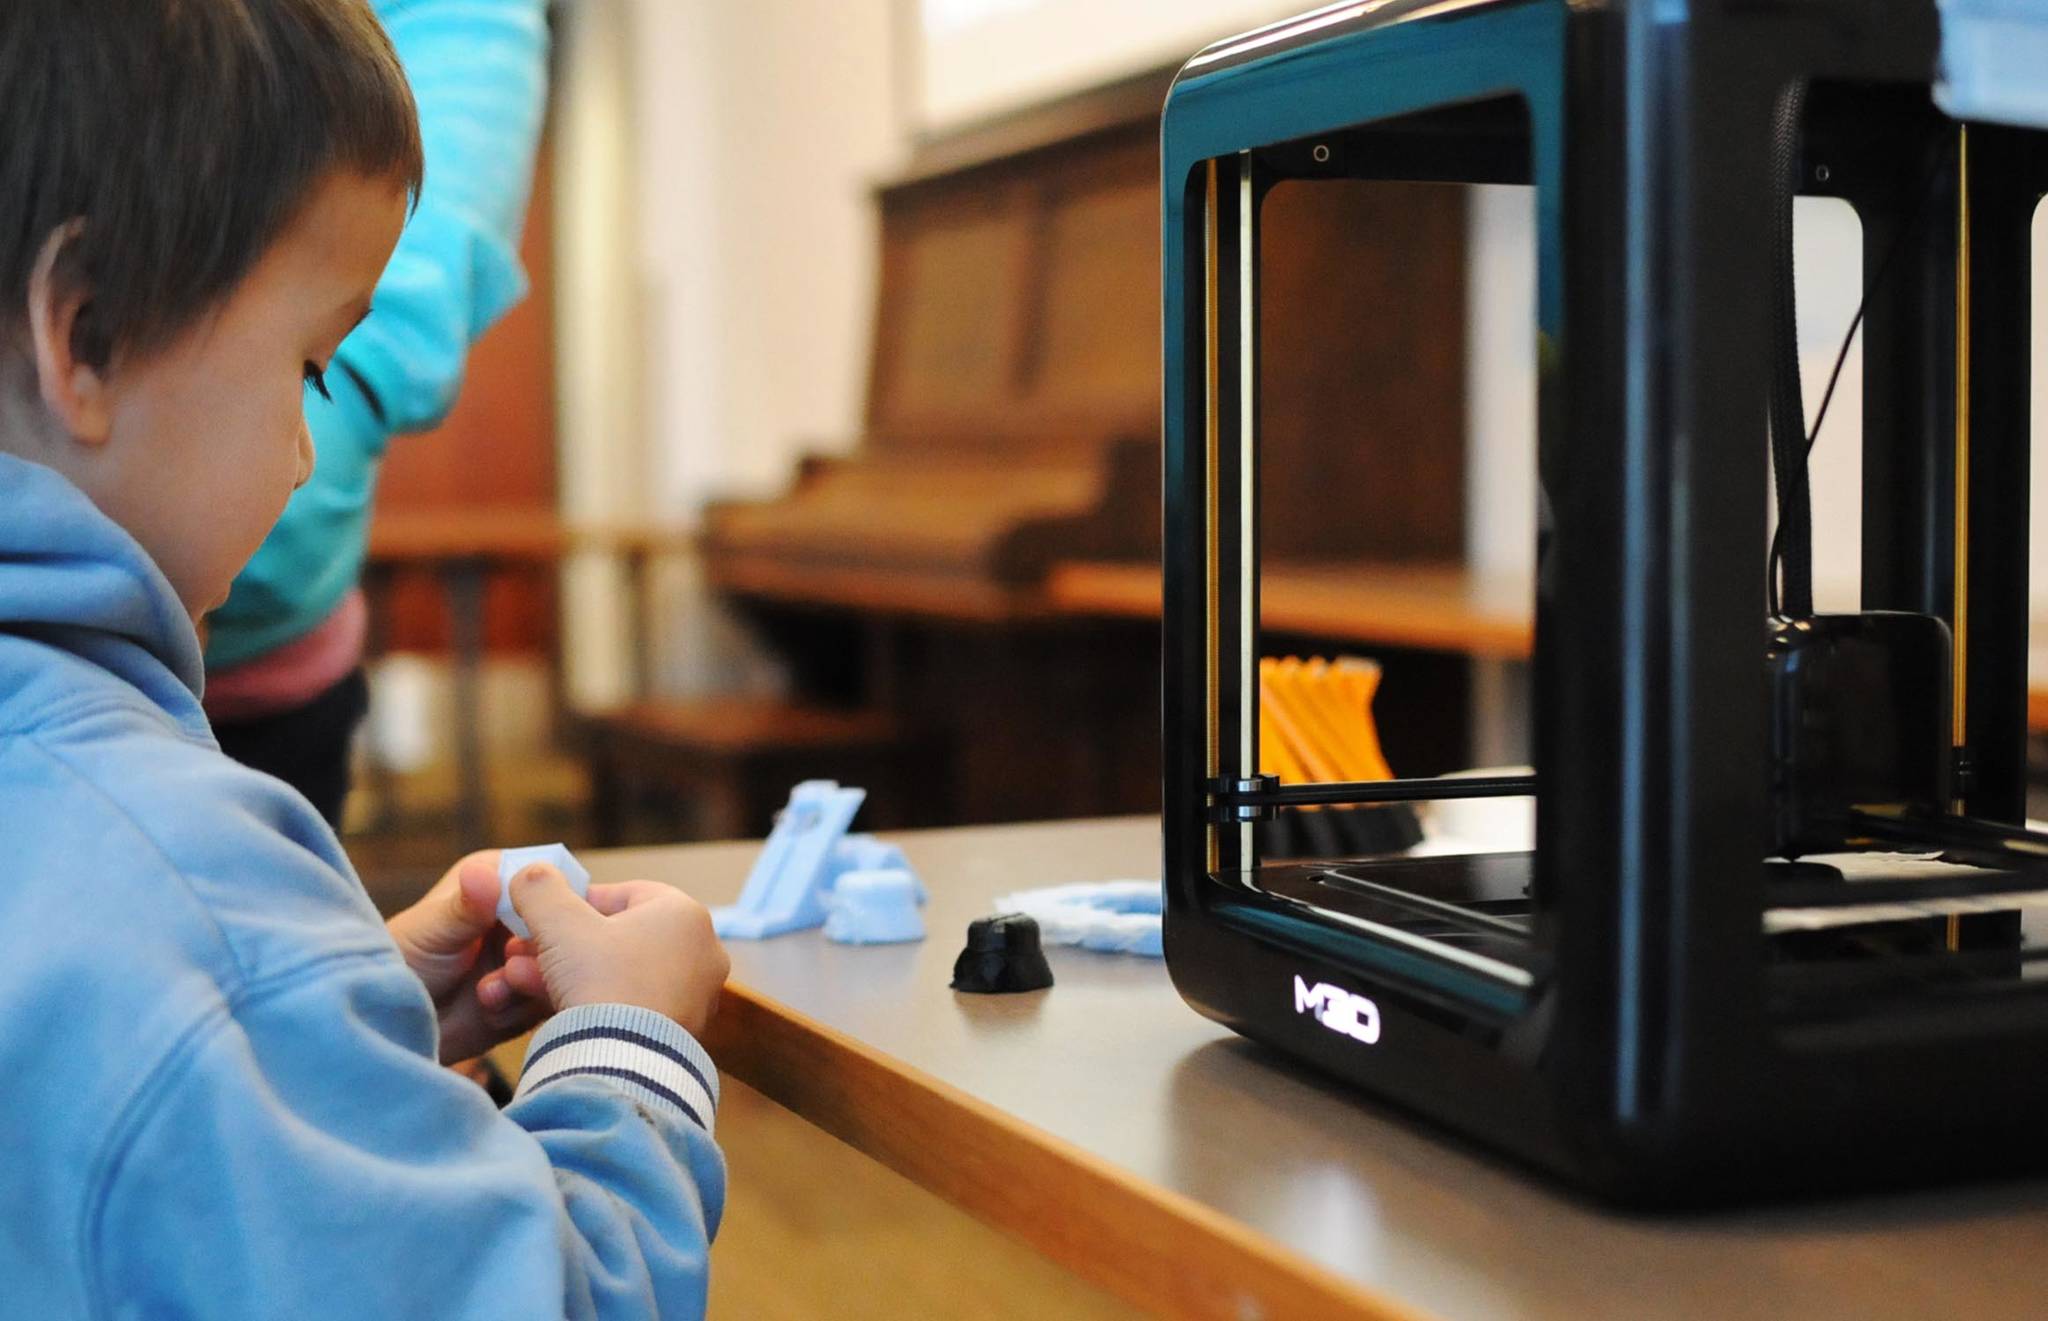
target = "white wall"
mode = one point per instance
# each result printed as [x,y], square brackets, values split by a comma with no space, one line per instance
[981,57]
[716,253]
[1828,256]
[600,412]
[1500,382]
[1500,480]
[716,245]
[1501,387]
[762,126]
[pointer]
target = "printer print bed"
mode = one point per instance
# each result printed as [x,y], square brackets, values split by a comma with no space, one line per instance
[1855,926]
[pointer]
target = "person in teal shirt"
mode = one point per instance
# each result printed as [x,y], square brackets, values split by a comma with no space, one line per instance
[285,688]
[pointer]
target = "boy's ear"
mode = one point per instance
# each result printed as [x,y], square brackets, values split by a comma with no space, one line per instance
[71,350]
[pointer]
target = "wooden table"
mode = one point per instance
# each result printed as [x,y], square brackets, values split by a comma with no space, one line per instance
[1153,1152]
[954,597]
[1434,607]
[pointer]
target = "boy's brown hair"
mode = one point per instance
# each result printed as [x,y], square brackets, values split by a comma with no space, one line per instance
[183,135]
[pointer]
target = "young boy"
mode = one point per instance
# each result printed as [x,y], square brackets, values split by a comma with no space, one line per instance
[222,1093]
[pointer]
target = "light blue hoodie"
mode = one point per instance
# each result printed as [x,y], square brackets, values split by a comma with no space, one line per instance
[220,1092]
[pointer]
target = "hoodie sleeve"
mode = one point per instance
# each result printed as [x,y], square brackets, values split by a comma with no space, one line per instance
[300,1153]
[478,70]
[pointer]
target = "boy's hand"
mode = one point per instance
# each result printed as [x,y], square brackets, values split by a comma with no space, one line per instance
[485,984]
[637,943]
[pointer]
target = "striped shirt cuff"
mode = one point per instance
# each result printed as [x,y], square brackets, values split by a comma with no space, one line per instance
[647,1054]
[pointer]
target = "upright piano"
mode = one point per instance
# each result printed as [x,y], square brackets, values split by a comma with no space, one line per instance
[1012,426]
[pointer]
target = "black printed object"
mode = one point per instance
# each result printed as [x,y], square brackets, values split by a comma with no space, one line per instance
[1003,954]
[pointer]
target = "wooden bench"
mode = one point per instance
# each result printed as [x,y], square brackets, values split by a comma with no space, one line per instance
[728,764]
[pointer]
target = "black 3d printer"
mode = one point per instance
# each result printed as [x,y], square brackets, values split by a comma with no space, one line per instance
[1670,999]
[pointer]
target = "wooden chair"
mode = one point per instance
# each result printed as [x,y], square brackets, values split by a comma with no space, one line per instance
[729,764]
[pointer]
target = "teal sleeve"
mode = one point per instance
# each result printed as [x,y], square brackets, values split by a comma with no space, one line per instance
[478,70]
[301,1154]
[479,73]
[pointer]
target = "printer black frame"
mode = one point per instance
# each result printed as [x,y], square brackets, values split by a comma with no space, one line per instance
[1640,1050]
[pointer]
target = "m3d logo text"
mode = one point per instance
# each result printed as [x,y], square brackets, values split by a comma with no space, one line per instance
[1339,1010]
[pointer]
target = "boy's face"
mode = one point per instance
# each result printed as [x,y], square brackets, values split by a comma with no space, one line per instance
[206,439]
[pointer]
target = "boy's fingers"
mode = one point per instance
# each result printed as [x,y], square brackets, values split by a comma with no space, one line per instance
[450,918]
[522,974]
[517,1017]
[480,858]
[473,1025]
[542,898]
[476,890]
[469,911]
[504,1001]
[493,992]
[618,896]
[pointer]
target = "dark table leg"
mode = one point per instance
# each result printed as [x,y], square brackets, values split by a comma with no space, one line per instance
[378,581]
[464,581]
[639,612]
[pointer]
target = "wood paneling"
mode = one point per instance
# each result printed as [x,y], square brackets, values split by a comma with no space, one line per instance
[1362,371]
[956,275]
[1096,348]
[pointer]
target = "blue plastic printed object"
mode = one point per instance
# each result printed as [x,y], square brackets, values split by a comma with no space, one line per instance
[1115,917]
[866,853]
[1992,52]
[806,854]
[874,908]
[512,861]
[786,889]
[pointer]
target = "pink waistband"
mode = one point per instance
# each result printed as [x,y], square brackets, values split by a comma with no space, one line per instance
[295,673]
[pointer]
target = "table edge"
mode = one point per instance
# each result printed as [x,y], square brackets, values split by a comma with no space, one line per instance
[1111,1224]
